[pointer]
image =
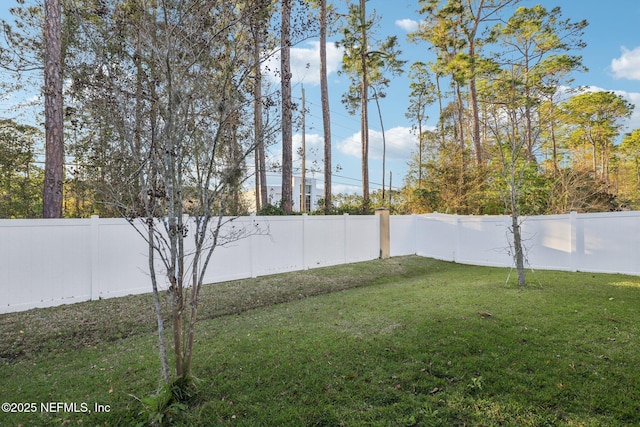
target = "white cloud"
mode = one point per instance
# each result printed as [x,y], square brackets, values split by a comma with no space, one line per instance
[345,188]
[409,25]
[401,142]
[305,63]
[634,97]
[627,66]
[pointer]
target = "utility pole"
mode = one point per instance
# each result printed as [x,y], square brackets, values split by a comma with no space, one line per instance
[303,192]
[390,180]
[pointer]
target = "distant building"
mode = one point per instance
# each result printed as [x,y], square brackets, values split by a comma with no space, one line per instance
[274,193]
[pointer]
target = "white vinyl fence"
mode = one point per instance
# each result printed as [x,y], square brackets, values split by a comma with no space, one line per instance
[52,262]
[600,243]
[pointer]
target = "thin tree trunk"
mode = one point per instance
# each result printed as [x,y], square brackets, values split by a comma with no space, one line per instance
[162,347]
[475,133]
[461,148]
[326,115]
[554,143]
[384,144]
[364,118]
[442,132]
[419,145]
[261,172]
[517,242]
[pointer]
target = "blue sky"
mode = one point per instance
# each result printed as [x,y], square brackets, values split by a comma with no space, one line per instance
[612,56]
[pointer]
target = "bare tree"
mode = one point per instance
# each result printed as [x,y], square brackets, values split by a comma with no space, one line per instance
[506,103]
[171,87]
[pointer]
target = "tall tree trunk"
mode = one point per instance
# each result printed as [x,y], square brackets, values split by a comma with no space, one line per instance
[287,105]
[261,172]
[475,132]
[594,159]
[364,119]
[442,131]
[554,143]
[461,142]
[461,149]
[384,144]
[260,164]
[326,115]
[420,142]
[54,143]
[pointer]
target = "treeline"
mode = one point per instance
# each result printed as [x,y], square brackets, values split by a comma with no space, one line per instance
[172,95]
[511,135]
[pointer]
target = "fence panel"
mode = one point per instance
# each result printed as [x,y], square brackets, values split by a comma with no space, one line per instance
[362,238]
[123,263]
[51,262]
[436,236]
[610,243]
[43,263]
[324,240]
[403,234]
[605,242]
[233,259]
[483,240]
[548,241]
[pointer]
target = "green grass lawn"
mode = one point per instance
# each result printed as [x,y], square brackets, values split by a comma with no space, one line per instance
[400,342]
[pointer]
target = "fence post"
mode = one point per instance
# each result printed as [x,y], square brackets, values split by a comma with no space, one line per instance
[304,241]
[414,233]
[577,241]
[457,231]
[94,250]
[344,237]
[385,235]
[252,258]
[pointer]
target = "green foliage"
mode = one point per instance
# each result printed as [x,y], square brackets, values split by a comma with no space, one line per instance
[351,204]
[170,401]
[20,179]
[530,144]
[381,60]
[273,210]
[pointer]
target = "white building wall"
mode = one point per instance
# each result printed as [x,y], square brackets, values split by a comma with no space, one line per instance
[274,193]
